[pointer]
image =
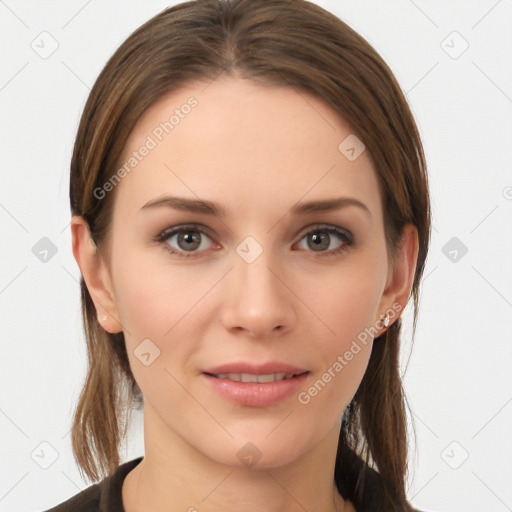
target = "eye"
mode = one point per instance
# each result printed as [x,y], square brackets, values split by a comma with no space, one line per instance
[189,240]
[320,239]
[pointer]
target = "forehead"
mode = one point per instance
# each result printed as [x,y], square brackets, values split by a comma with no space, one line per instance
[242,144]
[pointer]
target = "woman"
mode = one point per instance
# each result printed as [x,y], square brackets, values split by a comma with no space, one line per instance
[250,215]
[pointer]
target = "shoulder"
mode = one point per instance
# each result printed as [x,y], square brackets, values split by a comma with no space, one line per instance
[105,496]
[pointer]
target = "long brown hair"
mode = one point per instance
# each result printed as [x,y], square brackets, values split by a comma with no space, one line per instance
[293,43]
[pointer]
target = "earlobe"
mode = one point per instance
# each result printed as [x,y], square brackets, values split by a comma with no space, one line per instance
[401,278]
[95,274]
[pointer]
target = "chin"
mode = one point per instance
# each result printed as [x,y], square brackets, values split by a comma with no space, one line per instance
[256,452]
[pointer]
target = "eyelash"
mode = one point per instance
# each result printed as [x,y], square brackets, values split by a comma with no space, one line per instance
[345,236]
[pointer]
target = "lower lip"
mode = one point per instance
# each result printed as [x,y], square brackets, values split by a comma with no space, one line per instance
[256,394]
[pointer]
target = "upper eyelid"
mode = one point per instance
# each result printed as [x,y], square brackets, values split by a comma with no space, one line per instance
[168,232]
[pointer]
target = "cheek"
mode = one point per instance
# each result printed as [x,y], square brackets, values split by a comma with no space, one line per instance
[348,310]
[329,393]
[150,309]
[152,296]
[347,303]
[160,304]
[138,299]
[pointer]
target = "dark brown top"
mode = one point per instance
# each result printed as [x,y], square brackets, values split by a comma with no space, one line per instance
[106,496]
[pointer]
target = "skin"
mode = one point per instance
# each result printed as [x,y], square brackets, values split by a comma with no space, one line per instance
[257,151]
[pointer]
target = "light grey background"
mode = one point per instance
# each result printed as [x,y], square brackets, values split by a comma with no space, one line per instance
[457,380]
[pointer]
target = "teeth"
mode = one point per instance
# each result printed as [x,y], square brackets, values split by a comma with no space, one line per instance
[248,377]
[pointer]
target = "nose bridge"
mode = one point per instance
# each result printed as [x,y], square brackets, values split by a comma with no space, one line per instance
[259,302]
[257,281]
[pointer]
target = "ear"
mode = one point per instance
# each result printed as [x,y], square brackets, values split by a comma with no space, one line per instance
[96,275]
[401,275]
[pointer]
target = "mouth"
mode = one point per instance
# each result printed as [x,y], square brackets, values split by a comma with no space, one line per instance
[260,378]
[256,389]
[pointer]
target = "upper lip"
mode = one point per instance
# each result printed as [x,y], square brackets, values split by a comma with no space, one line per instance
[256,369]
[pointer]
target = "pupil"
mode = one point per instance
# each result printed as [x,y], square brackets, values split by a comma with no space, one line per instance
[190,239]
[317,240]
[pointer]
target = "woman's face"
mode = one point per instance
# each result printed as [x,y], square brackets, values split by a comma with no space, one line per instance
[258,283]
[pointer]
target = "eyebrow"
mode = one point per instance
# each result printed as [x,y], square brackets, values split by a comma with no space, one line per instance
[211,208]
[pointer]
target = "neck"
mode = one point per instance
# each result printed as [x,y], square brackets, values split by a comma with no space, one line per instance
[173,475]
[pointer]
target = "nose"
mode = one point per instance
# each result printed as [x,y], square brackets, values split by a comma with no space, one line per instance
[258,300]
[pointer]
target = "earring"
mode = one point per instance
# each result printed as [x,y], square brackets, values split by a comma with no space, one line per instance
[385,322]
[105,317]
